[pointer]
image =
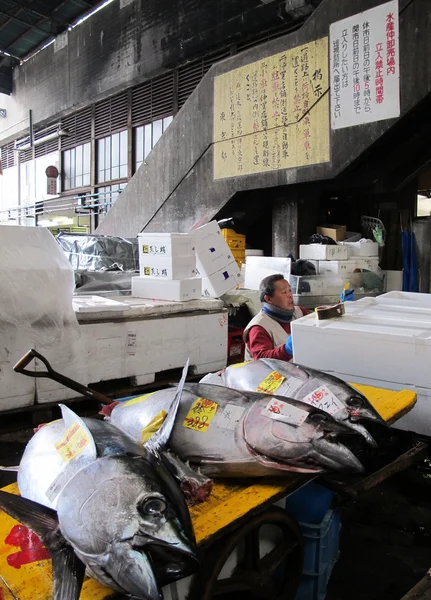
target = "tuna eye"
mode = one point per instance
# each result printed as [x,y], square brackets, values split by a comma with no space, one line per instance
[355,402]
[153,506]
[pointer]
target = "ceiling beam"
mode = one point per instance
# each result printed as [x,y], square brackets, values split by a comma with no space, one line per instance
[14,18]
[26,7]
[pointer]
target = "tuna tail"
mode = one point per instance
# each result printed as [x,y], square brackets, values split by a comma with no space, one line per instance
[160,439]
[68,570]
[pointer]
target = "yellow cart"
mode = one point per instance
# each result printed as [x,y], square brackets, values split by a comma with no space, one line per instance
[233,514]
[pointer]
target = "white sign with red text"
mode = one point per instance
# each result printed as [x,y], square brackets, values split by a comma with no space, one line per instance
[364,67]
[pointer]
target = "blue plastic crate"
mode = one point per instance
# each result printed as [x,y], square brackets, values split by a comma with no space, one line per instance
[310,503]
[321,550]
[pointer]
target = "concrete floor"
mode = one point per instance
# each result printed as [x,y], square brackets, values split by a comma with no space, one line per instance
[385,537]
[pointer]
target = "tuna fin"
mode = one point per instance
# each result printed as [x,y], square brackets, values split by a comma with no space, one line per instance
[161,438]
[89,452]
[68,570]
[216,393]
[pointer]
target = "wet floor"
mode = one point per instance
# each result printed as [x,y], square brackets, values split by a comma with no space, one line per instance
[385,545]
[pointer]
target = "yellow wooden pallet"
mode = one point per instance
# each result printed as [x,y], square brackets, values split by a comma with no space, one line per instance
[229,504]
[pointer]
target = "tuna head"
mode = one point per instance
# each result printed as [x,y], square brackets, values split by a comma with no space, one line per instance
[128,522]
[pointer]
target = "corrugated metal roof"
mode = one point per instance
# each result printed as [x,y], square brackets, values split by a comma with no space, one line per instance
[26,25]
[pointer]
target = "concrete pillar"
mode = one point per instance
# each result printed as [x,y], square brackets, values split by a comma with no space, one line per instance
[422,231]
[285,225]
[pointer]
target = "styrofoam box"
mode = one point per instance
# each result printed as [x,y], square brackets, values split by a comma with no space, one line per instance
[166,244]
[221,282]
[259,267]
[136,349]
[176,290]
[373,340]
[418,419]
[323,252]
[168,267]
[394,281]
[211,249]
[367,248]
[341,267]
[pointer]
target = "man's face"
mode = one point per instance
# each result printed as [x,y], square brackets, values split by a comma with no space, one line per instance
[283,297]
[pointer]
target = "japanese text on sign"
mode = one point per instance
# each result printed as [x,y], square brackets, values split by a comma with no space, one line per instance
[73,442]
[271,383]
[364,72]
[324,399]
[282,411]
[200,415]
[273,113]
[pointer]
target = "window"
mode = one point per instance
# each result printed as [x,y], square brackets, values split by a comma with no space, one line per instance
[147,136]
[76,167]
[112,157]
[108,196]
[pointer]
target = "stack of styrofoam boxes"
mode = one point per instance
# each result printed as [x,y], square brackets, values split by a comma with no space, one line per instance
[322,284]
[214,261]
[167,264]
[259,267]
[384,342]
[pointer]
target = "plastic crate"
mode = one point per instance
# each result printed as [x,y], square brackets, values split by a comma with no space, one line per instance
[321,550]
[310,503]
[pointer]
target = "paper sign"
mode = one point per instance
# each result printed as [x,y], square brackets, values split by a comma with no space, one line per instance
[131,342]
[73,443]
[200,415]
[137,400]
[324,399]
[271,383]
[230,416]
[58,484]
[290,387]
[282,411]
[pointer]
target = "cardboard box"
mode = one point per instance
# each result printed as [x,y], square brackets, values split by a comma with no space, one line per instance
[222,281]
[323,252]
[168,267]
[336,232]
[169,289]
[165,244]
[212,251]
[259,267]
[366,248]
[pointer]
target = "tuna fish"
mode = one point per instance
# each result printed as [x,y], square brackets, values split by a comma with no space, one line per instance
[346,404]
[101,502]
[229,433]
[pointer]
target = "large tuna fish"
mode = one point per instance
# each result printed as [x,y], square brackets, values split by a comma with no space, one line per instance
[101,502]
[241,434]
[346,404]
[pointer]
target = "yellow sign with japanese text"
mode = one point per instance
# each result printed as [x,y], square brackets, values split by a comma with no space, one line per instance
[200,415]
[274,113]
[73,442]
[271,383]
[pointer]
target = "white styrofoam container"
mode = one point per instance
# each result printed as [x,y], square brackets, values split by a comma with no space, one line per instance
[418,419]
[176,290]
[366,248]
[211,249]
[394,281]
[165,244]
[413,298]
[341,267]
[259,267]
[137,349]
[168,267]
[16,391]
[373,340]
[222,281]
[323,252]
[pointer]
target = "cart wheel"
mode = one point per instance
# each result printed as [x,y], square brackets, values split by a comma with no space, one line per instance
[274,576]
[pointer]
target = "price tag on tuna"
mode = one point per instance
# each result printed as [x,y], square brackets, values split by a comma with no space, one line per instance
[200,415]
[324,399]
[73,443]
[229,417]
[282,411]
[271,383]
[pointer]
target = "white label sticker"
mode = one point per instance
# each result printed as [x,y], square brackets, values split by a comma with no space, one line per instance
[131,343]
[290,387]
[324,399]
[230,416]
[282,411]
[57,485]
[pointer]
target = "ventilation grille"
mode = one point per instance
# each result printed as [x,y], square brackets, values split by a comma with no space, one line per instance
[110,115]
[79,127]
[153,100]
[25,155]
[190,76]
[7,155]
[46,148]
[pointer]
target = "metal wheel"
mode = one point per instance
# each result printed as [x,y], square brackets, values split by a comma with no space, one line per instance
[274,576]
